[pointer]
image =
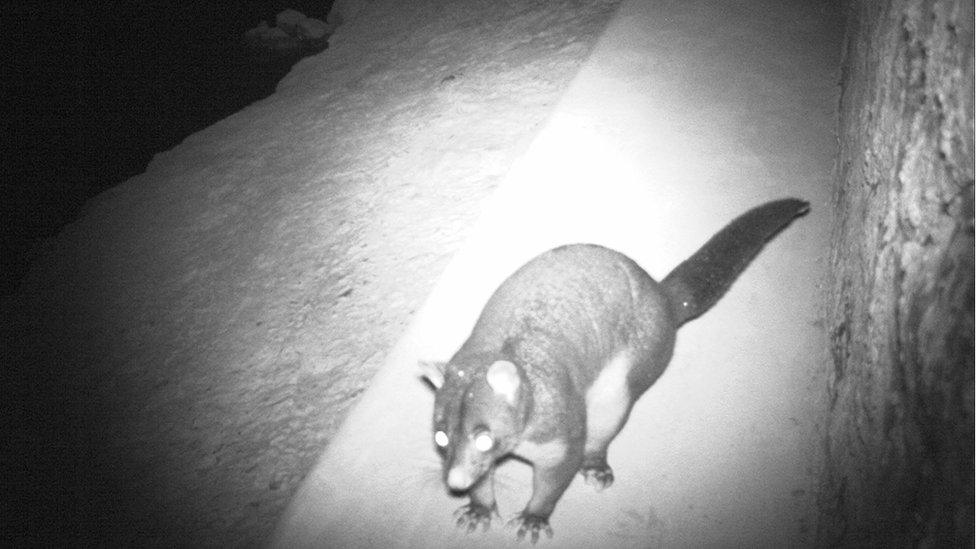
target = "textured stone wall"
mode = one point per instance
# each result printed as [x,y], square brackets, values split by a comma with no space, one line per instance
[899,462]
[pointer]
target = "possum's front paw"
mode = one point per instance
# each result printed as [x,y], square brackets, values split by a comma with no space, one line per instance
[598,475]
[471,515]
[531,524]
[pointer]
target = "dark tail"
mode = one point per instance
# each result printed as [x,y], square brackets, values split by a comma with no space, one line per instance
[702,279]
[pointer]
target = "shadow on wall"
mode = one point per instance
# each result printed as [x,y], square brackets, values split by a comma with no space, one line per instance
[899,469]
[95,89]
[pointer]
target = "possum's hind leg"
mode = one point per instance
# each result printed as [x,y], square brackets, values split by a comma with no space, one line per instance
[608,403]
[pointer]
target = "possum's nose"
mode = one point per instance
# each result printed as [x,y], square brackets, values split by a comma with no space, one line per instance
[459,479]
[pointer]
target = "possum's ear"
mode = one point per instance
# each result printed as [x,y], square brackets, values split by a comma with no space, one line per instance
[503,377]
[433,372]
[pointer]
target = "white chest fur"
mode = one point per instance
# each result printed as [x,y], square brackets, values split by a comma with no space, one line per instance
[544,454]
[608,401]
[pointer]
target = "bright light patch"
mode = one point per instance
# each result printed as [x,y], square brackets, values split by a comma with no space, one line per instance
[440,439]
[484,442]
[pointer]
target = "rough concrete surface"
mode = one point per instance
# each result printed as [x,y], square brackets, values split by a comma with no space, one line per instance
[900,436]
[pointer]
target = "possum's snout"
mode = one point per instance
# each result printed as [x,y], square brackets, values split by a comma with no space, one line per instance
[460,479]
[467,466]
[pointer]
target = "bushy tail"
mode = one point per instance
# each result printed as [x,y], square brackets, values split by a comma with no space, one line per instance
[702,279]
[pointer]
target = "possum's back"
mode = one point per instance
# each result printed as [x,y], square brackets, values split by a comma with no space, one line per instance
[583,300]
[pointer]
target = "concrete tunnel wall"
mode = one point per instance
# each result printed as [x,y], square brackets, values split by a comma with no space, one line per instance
[899,440]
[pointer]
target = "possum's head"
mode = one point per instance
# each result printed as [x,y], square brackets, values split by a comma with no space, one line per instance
[479,416]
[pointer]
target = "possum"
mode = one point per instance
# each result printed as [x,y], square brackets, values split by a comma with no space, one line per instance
[560,353]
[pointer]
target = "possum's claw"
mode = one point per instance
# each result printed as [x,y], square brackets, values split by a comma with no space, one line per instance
[473,514]
[600,477]
[531,524]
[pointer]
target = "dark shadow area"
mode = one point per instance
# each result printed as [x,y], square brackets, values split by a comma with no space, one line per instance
[94,89]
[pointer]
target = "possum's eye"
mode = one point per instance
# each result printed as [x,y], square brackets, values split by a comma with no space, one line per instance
[440,439]
[483,441]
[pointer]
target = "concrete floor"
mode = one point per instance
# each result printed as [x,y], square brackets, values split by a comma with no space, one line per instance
[687,114]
